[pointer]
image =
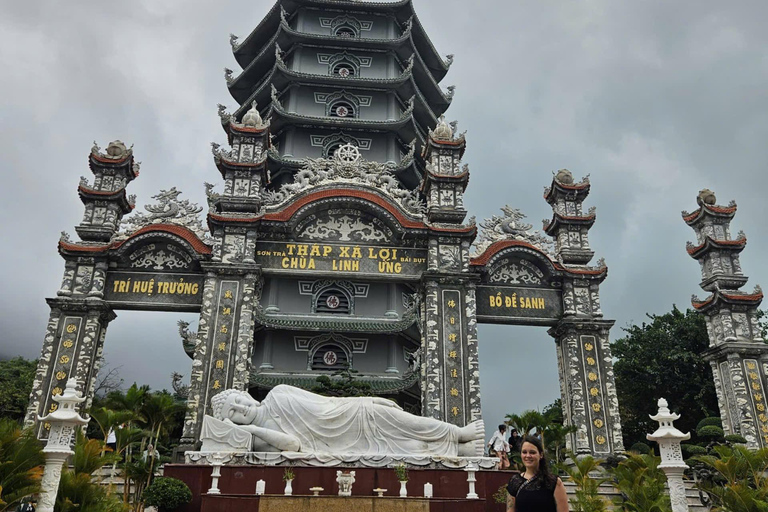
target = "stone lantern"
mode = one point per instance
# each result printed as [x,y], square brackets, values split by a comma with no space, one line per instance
[63,424]
[672,463]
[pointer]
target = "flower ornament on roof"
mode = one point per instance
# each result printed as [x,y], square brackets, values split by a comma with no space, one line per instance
[564,176]
[510,226]
[442,131]
[252,118]
[116,150]
[706,197]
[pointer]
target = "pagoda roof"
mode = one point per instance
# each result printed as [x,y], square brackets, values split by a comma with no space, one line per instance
[335,323]
[281,76]
[379,384]
[720,297]
[100,161]
[120,197]
[405,127]
[583,271]
[557,220]
[713,210]
[699,251]
[402,10]
[286,37]
[73,248]
[223,163]
[558,187]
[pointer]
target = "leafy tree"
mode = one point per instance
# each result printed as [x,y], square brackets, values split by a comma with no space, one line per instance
[16,376]
[661,359]
[21,464]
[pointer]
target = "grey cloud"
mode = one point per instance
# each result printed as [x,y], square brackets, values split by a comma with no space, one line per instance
[655,100]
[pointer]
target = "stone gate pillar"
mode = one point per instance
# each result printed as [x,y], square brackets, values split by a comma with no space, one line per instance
[223,351]
[450,373]
[737,352]
[587,386]
[451,383]
[72,349]
[79,316]
[224,346]
[587,383]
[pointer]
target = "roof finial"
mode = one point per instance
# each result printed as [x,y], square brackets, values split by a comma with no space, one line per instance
[443,131]
[252,118]
[707,197]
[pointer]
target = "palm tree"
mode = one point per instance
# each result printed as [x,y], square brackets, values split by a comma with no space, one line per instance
[527,422]
[21,464]
[587,498]
[107,420]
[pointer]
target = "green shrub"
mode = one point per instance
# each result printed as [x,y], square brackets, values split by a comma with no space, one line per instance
[710,421]
[167,494]
[641,484]
[710,431]
[739,484]
[691,450]
[641,448]
[735,439]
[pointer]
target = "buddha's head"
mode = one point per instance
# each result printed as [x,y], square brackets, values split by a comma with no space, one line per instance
[237,406]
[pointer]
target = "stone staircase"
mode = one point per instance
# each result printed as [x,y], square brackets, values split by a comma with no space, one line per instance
[610,493]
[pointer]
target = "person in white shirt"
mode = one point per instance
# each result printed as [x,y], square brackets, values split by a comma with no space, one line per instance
[500,446]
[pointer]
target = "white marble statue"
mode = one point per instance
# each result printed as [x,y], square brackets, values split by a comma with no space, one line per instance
[293,420]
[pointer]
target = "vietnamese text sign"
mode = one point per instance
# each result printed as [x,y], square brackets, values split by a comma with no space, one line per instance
[512,304]
[333,257]
[154,289]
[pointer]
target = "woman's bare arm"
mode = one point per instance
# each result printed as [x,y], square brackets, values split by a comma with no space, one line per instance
[511,503]
[561,498]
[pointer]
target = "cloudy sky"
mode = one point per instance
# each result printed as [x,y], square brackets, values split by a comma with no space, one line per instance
[655,100]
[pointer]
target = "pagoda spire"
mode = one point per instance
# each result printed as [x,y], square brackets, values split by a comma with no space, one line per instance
[569,225]
[446,179]
[737,351]
[105,199]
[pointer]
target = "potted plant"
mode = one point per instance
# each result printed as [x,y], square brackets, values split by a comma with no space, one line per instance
[288,477]
[401,472]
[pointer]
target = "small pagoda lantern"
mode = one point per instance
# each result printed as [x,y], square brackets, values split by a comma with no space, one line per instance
[63,424]
[672,463]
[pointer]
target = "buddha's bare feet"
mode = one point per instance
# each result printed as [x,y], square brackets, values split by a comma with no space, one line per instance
[472,448]
[472,431]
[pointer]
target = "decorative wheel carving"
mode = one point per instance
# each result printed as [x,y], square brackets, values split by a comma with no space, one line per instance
[347,154]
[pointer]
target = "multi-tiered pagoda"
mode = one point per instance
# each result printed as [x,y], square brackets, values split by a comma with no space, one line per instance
[338,239]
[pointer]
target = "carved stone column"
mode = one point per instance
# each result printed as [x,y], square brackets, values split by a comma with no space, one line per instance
[225,332]
[451,387]
[71,349]
[588,386]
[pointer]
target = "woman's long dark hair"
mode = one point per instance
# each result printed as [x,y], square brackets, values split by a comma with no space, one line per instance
[544,472]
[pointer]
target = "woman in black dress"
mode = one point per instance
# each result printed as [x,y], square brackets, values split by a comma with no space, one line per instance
[536,489]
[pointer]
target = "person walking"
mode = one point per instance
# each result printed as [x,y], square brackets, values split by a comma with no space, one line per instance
[535,489]
[499,447]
